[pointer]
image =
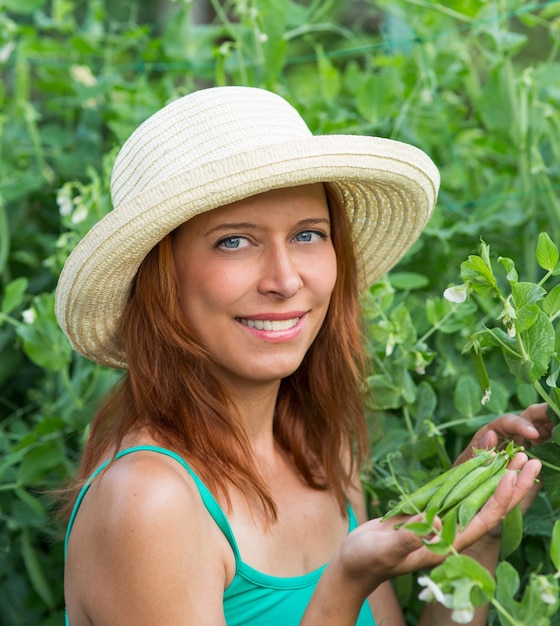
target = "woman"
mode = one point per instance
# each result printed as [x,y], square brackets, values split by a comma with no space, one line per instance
[226,282]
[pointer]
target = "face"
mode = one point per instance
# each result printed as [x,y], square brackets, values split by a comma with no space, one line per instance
[256,277]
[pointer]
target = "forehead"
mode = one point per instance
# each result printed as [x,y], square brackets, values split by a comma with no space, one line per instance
[271,207]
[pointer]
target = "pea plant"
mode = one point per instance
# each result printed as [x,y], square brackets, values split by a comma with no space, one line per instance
[526,336]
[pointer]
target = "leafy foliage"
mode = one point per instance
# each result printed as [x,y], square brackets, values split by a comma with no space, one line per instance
[472,83]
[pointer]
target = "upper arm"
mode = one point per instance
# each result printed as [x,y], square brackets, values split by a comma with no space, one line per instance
[144,550]
[383,601]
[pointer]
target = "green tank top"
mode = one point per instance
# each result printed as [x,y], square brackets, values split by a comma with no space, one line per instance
[252,598]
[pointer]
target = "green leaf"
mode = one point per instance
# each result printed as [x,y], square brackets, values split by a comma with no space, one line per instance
[495,104]
[525,296]
[511,271]
[507,586]
[419,528]
[23,6]
[458,567]
[547,252]
[426,402]
[35,570]
[384,394]
[466,397]
[39,461]
[478,274]
[330,79]
[273,16]
[4,236]
[13,295]
[556,434]
[438,547]
[539,344]
[408,280]
[449,529]
[555,545]
[551,303]
[43,341]
[549,453]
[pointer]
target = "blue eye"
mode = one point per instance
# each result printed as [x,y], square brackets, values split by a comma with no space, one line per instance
[232,243]
[309,236]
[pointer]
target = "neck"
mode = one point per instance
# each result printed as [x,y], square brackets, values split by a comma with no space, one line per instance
[255,403]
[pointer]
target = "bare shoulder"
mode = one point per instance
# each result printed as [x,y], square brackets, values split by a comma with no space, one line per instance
[143,525]
[145,483]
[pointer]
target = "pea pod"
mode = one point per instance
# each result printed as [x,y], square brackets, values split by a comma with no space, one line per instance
[473,480]
[512,532]
[420,499]
[416,501]
[478,498]
[454,476]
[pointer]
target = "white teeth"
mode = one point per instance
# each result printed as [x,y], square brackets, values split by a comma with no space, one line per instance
[270,324]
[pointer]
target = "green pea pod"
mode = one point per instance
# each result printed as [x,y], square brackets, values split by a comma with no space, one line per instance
[453,477]
[512,532]
[416,501]
[478,498]
[473,480]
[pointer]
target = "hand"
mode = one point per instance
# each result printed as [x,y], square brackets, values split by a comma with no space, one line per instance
[533,426]
[377,551]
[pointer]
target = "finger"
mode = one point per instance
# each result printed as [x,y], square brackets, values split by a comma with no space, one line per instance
[512,426]
[538,415]
[508,427]
[518,461]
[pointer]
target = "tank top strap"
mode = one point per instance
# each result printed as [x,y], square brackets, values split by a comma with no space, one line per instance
[208,499]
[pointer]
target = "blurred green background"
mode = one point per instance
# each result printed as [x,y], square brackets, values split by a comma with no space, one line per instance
[476,84]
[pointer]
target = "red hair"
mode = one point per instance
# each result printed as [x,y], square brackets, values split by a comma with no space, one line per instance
[170,388]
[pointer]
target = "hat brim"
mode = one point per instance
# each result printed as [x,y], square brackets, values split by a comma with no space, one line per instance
[388,188]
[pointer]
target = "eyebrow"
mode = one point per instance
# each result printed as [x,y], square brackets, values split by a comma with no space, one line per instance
[310,221]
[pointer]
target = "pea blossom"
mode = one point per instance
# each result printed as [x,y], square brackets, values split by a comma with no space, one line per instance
[456,294]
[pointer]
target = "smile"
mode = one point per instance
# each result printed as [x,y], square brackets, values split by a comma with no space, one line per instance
[269,324]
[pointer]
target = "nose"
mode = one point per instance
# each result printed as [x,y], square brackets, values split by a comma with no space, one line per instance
[280,274]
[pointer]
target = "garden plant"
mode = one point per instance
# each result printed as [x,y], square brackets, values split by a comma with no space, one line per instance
[464,329]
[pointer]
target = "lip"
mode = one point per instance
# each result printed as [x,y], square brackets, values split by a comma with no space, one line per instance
[273,316]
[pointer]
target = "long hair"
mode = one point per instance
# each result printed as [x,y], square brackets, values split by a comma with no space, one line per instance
[170,389]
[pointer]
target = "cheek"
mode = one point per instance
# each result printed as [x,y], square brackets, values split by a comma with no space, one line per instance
[206,289]
[326,274]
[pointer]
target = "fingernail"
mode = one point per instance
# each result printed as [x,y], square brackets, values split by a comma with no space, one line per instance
[530,428]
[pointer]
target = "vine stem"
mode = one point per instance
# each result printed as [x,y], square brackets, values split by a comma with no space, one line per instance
[504,613]
[546,397]
[67,382]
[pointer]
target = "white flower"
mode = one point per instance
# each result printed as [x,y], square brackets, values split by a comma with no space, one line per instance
[457,293]
[390,346]
[82,74]
[432,591]
[486,396]
[263,37]
[6,51]
[548,598]
[29,316]
[463,616]
[64,202]
[547,592]
[508,313]
[80,215]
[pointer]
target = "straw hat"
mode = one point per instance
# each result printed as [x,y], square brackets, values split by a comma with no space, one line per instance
[216,146]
